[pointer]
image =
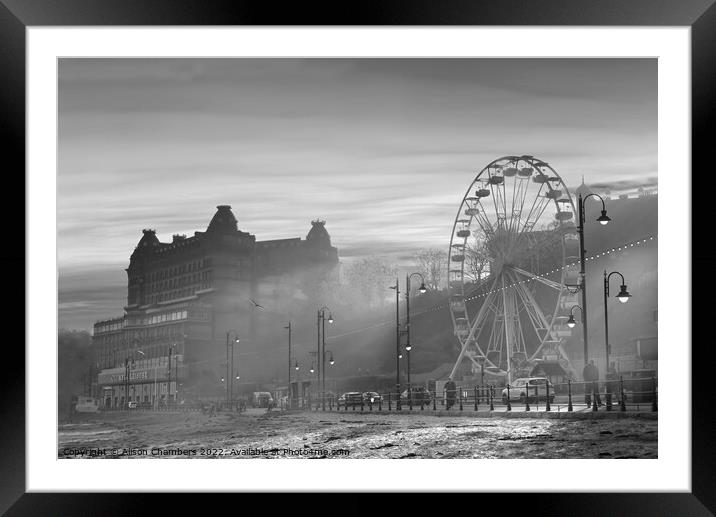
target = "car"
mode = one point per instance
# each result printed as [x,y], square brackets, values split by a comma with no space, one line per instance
[372,397]
[351,398]
[419,395]
[132,404]
[529,389]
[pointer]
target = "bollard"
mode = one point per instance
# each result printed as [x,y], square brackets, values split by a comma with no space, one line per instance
[608,397]
[353,406]
[410,399]
[361,404]
[536,395]
[527,398]
[398,401]
[460,388]
[569,395]
[622,402]
[475,398]
[594,396]
[435,401]
[380,403]
[509,405]
[389,408]
[492,406]
[422,402]
[547,405]
[653,394]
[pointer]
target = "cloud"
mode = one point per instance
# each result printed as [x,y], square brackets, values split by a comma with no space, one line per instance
[382,149]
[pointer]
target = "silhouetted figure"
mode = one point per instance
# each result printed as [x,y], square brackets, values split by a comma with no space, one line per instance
[591,375]
[451,393]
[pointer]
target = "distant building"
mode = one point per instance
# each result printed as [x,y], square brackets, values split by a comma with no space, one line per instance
[184,296]
[582,190]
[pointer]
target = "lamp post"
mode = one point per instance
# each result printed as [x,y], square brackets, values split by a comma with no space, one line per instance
[128,365]
[331,362]
[126,381]
[603,220]
[230,374]
[288,327]
[321,327]
[398,355]
[623,297]
[170,349]
[422,289]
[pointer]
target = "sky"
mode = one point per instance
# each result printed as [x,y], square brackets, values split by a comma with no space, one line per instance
[382,149]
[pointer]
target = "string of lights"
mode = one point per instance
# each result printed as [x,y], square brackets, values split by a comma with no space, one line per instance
[443,306]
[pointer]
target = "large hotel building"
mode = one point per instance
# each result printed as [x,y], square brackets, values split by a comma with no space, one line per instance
[185,296]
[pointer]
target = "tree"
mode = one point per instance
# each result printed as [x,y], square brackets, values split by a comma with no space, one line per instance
[432,263]
[368,279]
[74,363]
[477,257]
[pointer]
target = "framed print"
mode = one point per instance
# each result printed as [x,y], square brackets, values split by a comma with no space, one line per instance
[432,235]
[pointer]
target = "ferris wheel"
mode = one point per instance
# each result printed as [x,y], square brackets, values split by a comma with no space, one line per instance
[513,269]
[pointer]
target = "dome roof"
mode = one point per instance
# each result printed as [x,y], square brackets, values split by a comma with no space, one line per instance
[148,240]
[583,189]
[318,233]
[223,220]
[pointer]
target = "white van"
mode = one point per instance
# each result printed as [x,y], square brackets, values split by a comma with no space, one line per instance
[87,405]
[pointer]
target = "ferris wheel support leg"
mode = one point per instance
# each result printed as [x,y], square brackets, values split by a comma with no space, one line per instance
[469,339]
[539,314]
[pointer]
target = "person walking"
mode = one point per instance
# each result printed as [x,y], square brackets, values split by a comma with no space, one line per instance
[591,375]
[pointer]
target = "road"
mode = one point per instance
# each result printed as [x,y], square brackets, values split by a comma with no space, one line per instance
[258,434]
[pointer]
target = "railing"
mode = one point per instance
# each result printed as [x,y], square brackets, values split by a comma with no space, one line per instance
[604,395]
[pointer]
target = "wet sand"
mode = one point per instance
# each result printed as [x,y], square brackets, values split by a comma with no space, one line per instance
[257,434]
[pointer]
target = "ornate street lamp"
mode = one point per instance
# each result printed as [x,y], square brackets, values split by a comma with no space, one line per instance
[408,347]
[603,220]
[230,374]
[570,322]
[321,331]
[623,296]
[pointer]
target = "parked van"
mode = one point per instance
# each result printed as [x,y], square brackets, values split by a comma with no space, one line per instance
[86,405]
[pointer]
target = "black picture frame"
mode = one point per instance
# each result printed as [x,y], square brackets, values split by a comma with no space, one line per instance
[700,15]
